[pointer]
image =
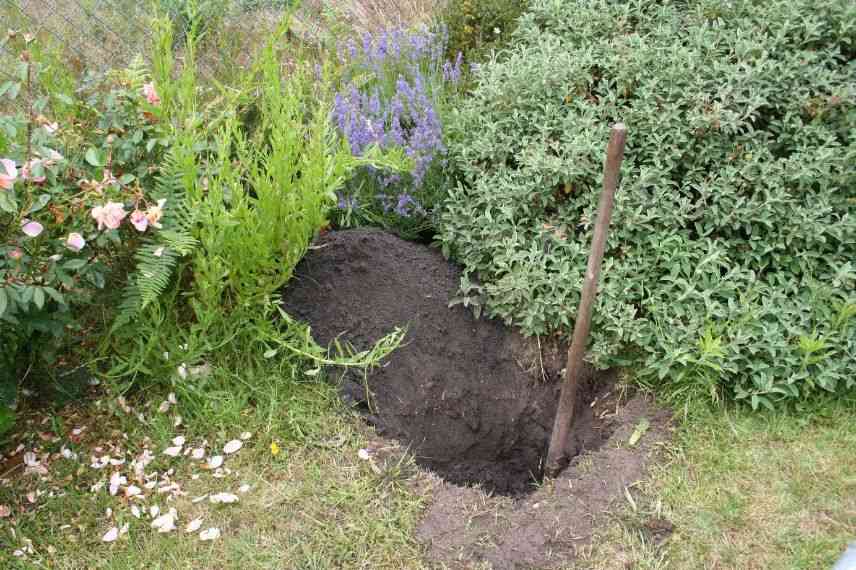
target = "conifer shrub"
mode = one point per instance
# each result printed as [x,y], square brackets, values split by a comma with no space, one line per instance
[731,263]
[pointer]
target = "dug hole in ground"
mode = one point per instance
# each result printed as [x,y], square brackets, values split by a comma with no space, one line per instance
[473,402]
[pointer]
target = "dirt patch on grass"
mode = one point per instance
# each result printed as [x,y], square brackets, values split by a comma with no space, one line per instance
[472,400]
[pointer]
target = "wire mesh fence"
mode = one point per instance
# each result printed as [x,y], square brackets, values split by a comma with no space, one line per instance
[98,35]
[94,36]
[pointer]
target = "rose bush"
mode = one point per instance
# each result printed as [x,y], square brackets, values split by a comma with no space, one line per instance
[75,199]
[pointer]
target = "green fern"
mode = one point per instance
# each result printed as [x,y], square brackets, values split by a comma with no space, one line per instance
[159,255]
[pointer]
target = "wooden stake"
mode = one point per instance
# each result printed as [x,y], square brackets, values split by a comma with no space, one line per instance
[567,401]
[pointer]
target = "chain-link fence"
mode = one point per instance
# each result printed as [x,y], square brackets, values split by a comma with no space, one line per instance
[98,35]
[93,34]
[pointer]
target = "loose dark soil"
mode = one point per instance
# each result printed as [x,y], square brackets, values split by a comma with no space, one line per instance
[473,400]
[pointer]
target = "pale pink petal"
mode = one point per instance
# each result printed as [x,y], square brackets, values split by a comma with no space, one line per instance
[33,229]
[193,525]
[210,534]
[151,94]
[223,498]
[173,451]
[139,220]
[75,242]
[111,535]
[8,174]
[165,523]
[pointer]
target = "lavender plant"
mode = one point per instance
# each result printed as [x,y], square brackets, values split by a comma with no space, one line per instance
[395,87]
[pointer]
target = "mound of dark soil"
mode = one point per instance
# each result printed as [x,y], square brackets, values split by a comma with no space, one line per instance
[473,400]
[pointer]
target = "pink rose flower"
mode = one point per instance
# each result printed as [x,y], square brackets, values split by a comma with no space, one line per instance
[32,229]
[75,242]
[151,94]
[109,215]
[155,213]
[139,220]
[8,173]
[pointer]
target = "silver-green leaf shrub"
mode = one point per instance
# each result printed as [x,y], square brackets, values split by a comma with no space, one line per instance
[731,264]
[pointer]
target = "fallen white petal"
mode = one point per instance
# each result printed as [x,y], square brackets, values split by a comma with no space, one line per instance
[165,523]
[215,462]
[179,441]
[198,453]
[164,407]
[30,459]
[244,488]
[173,451]
[232,446]
[124,530]
[111,535]
[224,498]
[116,480]
[171,398]
[133,491]
[135,510]
[193,525]
[154,511]
[246,435]
[364,454]
[210,534]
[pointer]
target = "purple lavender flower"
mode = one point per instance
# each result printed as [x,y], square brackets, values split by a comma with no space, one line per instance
[452,71]
[347,202]
[396,107]
[407,205]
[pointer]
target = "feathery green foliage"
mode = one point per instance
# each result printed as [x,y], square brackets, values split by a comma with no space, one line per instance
[157,258]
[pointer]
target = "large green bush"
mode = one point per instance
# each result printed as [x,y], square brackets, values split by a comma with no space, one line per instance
[731,264]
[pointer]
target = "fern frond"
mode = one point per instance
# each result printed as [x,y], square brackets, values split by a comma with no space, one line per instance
[159,255]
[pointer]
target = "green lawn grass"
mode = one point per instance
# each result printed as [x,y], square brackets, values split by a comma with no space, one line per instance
[744,490]
[313,505]
[741,490]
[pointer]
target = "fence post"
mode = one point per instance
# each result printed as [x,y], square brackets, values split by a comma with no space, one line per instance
[567,401]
